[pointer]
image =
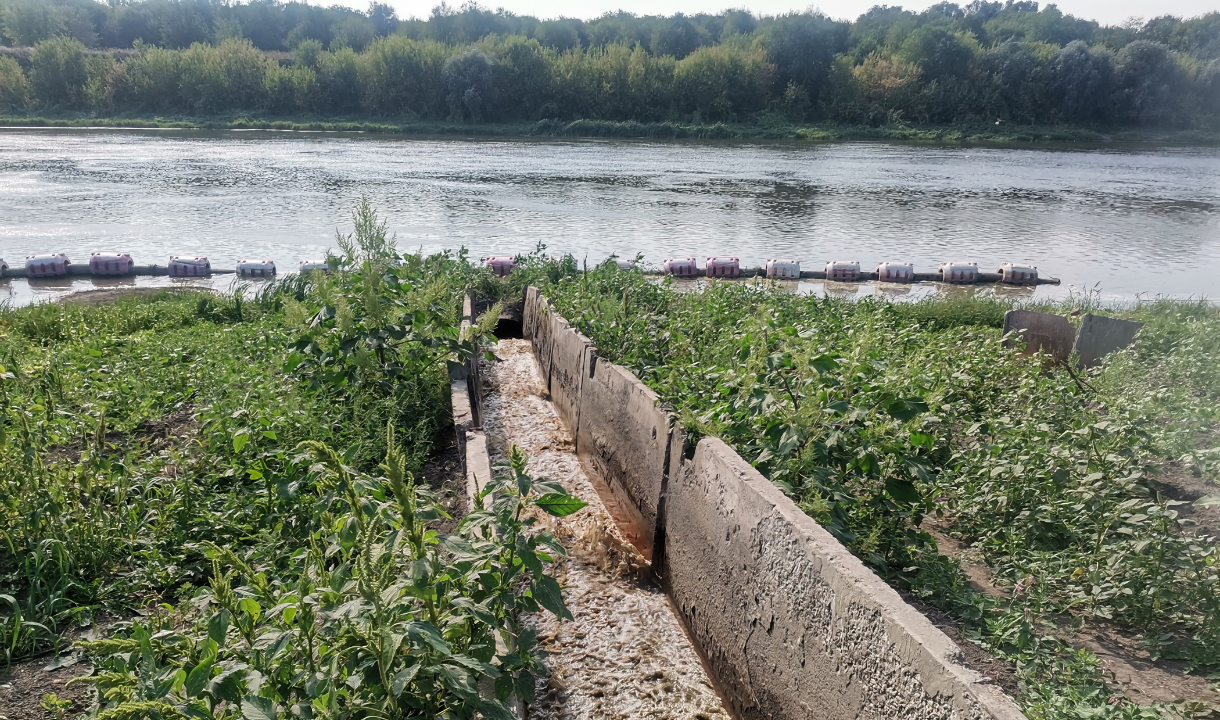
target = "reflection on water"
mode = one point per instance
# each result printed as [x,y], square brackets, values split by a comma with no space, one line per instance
[1136,221]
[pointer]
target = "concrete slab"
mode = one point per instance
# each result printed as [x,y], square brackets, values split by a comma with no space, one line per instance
[1099,336]
[543,339]
[529,311]
[1040,332]
[791,623]
[571,361]
[624,437]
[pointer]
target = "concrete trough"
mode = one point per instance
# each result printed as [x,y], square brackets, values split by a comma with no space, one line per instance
[792,625]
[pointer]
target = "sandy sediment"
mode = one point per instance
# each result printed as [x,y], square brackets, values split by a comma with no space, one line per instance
[625,655]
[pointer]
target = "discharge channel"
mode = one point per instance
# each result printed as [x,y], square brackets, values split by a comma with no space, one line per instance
[626,654]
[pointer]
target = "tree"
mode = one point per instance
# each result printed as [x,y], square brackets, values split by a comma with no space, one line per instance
[676,36]
[383,17]
[1148,79]
[469,81]
[1081,82]
[13,87]
[58,73]
[802,48]
[939,52]
[356,32]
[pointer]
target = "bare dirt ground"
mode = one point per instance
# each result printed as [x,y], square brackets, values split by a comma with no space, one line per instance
[23,687]
[626,654]
[1128,665]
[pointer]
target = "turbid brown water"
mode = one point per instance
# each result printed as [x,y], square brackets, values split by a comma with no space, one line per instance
[1133,220]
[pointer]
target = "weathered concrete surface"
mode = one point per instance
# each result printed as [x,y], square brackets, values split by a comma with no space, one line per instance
[623,435]
[543,338]
[791,623]
[571,360]
[1040,332]
[529,311]
[1099,336]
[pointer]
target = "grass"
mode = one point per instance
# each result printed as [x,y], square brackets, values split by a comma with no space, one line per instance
[235,475]
[881,420]
[767,127]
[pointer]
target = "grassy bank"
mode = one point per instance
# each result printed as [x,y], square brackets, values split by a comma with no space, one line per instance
[235,480]
[767,128]
[908,429]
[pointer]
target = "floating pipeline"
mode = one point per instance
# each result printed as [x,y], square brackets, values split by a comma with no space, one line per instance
[981,278]
[73,270]
[958,273]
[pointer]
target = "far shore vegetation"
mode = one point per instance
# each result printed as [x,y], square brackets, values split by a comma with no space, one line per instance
[1010,71]
[766,127]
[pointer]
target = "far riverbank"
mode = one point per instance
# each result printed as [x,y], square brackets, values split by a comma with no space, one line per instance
[772,127]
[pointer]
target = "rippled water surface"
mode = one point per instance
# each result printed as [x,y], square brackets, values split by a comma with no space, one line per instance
[1134,220]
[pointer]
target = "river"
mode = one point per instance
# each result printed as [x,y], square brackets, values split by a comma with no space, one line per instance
[1125,222]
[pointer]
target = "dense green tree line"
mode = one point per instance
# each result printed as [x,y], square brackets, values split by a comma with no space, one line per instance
[1011,61]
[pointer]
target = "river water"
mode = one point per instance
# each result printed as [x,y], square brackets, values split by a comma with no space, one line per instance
[1126,221]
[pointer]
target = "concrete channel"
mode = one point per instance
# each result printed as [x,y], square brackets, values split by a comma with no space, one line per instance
[688,554]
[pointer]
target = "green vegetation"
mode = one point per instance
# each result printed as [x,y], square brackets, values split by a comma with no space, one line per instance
[771,127]
[886,420]
[239,473]
[946,66]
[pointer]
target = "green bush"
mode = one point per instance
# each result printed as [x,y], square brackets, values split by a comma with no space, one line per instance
[14,90]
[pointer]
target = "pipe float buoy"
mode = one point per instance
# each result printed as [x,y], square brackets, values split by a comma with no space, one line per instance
[3,267]
[680,267]
[896,272]
[624,264]
[783,269]
[959,273]
[308,266]
[180,266]
[1011,274]
[256,268]
[502,265]
[723,267]
[47,265]
[843,270]
[110,263]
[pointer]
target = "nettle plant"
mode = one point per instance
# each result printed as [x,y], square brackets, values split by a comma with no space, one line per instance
[380,617]
[379,316]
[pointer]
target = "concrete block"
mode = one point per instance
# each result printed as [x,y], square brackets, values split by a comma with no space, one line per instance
[791,623]
[478,464]
[571,358]
[1041,332]
[543,339]
[529,310]
[1099,336]
[624,437]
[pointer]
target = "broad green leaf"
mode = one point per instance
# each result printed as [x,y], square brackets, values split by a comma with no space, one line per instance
[1207,501]
[902,490]
[218,627]
[254,707]
[402,678]
[239,441]
[560,505]
[550,596]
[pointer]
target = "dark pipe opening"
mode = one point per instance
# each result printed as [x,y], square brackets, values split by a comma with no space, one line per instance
[507,328]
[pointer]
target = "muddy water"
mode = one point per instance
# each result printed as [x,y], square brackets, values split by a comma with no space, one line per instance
[1133,220]
[625,655]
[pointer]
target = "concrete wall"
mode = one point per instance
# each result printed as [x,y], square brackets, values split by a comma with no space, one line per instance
[791,623]
[623,435]
[572,357]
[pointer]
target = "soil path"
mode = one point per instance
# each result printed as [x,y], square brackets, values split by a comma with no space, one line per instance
[626,654]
